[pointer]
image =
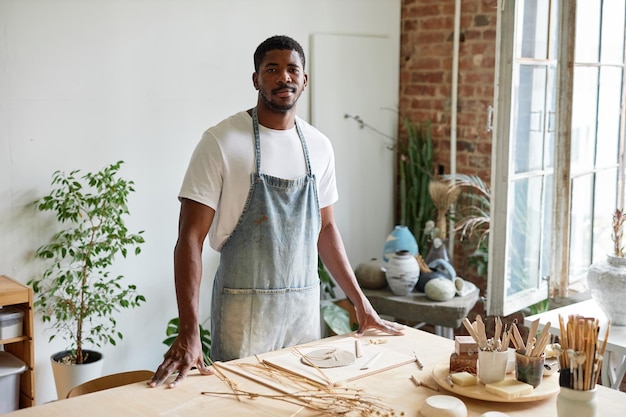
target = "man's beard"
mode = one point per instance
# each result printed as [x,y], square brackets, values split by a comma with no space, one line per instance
[279,108]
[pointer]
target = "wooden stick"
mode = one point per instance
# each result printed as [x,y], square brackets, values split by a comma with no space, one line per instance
[543,339]
[470,329]
[422,384]
[532,333]
[563,358]
[518,338]
[603,348]
[498,329]
[317,368]
[505,339]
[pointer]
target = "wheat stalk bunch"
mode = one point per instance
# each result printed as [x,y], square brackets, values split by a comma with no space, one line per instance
[443,194]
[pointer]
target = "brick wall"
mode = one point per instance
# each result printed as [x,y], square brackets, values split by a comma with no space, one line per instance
[426,86]
[426,77]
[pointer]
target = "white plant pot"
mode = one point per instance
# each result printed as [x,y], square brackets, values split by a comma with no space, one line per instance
[607,282]
[67,376]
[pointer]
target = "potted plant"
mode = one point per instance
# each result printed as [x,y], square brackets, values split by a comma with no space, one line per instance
[77,293]
[607,278]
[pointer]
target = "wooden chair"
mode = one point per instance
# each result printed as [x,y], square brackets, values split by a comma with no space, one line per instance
[110,381]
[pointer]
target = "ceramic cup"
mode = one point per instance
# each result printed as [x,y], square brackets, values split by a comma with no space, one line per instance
[492,366]
[529,369]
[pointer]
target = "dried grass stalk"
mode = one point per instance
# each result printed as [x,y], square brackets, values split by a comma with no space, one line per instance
[443,195]
[294,389]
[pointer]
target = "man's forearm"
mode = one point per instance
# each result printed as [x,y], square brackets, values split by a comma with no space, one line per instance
[187,278]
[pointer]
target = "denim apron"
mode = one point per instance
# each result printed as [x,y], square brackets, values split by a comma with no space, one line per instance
[266,288]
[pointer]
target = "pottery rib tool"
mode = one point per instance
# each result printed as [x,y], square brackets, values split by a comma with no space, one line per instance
[532,332]
[518,338]
[470,329]
[371,362]
[498,330]
[542,340]
[482,335]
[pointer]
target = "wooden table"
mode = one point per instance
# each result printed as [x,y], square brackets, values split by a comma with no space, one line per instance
[393,387]
[444,315]
[614,368]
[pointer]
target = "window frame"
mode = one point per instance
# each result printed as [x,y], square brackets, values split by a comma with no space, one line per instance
[497,301]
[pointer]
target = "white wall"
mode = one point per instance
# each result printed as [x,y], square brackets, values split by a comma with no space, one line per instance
[87,83]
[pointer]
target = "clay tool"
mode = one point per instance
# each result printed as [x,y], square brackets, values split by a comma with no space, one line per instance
[369,363]
[419,364]
[419,383]
[358,352]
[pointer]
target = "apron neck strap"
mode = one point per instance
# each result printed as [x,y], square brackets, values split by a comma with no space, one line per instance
[257,143]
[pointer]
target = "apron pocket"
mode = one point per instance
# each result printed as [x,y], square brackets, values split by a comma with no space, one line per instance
[256,321]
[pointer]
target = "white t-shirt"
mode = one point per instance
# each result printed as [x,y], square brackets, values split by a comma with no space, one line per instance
[219,171]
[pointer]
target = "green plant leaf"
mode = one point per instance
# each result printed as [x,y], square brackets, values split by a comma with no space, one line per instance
[335,317]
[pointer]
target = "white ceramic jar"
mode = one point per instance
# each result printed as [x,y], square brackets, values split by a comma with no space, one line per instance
[579,403]
[402,272]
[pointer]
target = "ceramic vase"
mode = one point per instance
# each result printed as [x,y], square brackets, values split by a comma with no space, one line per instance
[371,274]
[402,272]
[579,403]
[607,281]
[400,238]
[438,250]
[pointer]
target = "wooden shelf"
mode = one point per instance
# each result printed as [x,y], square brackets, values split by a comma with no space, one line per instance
[14,294]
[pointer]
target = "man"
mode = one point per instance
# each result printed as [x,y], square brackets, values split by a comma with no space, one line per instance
[262,185]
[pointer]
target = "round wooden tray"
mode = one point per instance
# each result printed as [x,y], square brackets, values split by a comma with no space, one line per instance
[548,387]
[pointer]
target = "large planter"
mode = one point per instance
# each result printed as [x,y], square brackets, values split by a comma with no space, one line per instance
[607,282]
[67,376]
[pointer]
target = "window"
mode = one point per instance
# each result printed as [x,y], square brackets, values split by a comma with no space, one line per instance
[556,171]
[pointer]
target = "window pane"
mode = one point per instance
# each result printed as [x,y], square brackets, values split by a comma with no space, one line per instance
[546,253]
[532,23]
[554,44]
[581,225]
[587,25]
[612,50]
[525,238]
[528,122]
[605,205]
[584,110]
[550,122]
[610,98]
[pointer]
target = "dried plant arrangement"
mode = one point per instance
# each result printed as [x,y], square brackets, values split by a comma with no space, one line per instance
[297,390]
[618,232]
[443,195]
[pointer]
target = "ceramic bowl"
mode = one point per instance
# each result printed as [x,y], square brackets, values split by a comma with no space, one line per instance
[443,406]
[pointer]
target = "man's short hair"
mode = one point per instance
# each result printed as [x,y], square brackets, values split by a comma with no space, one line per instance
[276,42]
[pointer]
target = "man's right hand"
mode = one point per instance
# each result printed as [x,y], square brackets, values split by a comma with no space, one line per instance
[183,355]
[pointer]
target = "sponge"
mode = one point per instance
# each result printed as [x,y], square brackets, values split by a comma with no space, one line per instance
[463,379]
[509,388]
